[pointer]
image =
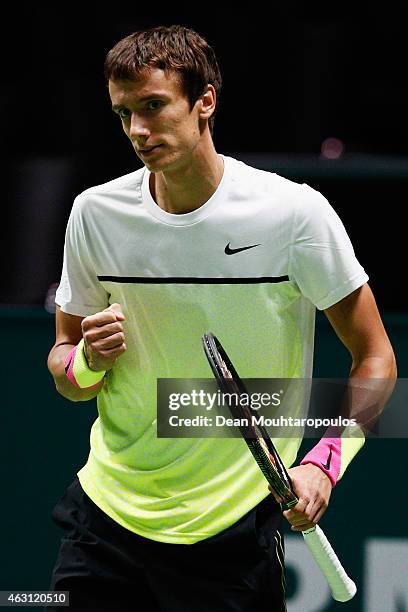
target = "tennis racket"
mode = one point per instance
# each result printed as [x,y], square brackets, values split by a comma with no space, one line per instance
[267,458]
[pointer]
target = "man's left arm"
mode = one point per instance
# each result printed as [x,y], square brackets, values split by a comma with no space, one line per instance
[358,324]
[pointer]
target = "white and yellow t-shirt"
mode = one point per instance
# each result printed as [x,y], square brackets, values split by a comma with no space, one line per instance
[176,277]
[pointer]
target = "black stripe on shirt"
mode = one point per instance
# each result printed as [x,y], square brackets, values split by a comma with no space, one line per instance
[183,280]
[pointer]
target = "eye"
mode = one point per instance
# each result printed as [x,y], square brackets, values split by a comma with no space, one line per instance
[123,113]
[154,104]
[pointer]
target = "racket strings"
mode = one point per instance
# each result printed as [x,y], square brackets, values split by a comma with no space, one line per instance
[256,436]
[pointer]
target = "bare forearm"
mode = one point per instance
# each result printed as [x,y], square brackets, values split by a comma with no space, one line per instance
[374,366]
[63,384]
[372,380]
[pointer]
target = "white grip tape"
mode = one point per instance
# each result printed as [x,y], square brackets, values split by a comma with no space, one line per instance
[342,587]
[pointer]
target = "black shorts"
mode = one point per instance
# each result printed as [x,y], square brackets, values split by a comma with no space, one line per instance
[106,567]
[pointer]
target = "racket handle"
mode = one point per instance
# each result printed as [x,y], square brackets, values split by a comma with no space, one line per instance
[342,587]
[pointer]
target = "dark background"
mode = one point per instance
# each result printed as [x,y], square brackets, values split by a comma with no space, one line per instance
[291,79]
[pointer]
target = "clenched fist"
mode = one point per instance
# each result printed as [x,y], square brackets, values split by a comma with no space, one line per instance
[104,337]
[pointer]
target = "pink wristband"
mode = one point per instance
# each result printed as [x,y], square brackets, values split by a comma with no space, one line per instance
[69,365]
[327,456]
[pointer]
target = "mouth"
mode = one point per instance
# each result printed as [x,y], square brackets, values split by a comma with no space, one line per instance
[145,152]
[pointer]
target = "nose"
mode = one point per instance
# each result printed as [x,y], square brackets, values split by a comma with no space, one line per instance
[138,128]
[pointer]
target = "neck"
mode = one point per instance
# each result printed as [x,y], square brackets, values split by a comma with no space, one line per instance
[189,187]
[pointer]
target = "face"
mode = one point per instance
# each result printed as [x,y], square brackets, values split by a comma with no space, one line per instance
[156,117]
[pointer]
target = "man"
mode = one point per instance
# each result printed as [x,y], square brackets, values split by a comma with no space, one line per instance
[193,241]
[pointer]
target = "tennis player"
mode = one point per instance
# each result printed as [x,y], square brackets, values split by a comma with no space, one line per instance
[193,241]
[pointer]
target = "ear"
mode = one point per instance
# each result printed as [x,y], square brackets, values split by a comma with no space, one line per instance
[207,102]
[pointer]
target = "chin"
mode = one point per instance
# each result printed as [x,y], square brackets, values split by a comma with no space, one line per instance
[160,165]
[155,166]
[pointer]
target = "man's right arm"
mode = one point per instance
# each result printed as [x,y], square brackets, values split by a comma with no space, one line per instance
[104,342]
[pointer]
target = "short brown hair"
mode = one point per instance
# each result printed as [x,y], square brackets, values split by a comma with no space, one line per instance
[169,48]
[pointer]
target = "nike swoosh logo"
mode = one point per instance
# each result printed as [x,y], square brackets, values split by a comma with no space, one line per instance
[229,251]
[327,464]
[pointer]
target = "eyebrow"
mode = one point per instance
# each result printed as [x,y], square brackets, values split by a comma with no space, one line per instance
[151,96]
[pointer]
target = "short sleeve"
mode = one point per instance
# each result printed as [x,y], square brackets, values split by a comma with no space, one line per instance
[79,292]
[322,259]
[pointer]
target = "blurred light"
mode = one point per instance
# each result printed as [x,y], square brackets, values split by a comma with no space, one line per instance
[332,148]
[49,303]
